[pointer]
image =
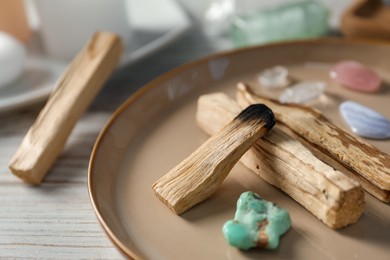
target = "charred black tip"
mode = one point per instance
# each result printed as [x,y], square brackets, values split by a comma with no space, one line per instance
[258,112]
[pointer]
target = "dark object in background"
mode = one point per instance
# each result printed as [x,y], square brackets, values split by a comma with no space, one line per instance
[367,19]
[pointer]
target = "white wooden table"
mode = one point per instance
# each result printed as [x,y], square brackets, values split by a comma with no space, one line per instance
[55,220]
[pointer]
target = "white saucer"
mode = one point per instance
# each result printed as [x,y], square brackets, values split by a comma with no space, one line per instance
[153,28]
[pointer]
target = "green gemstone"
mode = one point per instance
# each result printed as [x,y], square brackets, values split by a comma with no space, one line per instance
[254,216]
[299,20]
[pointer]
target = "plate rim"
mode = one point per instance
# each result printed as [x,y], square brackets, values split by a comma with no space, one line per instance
[171,73]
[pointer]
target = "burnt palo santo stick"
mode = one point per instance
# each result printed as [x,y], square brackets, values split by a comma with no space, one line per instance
[198,176]
[364,163]
[284,162]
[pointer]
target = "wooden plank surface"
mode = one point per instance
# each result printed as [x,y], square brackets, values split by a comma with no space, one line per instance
[56,219]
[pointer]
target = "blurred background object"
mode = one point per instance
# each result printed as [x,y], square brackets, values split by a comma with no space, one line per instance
[13,19]
[148,29]
[67,25]
[14,32]
[12,58]
[290,20]
[367,19]
[237,23]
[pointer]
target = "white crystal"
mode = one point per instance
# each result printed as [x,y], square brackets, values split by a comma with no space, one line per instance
[217,17]
[303,92]
[275,77]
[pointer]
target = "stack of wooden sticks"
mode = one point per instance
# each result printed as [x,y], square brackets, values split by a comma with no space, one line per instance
[319,165]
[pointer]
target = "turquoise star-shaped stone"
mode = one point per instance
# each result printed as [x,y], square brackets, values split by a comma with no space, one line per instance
[256,223]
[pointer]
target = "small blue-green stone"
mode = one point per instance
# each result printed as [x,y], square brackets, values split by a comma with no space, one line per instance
[256,223]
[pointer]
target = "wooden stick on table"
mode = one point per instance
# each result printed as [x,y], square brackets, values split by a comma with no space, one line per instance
[74,92]
[284,162]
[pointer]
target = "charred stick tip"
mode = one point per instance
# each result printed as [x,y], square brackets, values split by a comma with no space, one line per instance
[258,112]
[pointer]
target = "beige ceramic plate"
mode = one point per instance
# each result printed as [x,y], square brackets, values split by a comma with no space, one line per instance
[155,129]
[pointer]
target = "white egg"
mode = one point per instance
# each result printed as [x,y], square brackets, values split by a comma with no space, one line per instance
[12,58]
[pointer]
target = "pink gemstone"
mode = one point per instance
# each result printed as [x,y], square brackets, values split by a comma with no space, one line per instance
[355,75]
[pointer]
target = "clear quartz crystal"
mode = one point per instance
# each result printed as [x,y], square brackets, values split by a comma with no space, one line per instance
[275,77]
[217,17]
[303,92]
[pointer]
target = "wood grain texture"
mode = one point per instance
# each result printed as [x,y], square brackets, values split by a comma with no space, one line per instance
[74,92]
[55,220]
[366,163]
[284,162]
[198,176]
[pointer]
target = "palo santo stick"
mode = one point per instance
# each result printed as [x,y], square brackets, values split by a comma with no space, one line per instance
[285,163]
[74,92]
[364,162]
[200,174]
[383,195]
